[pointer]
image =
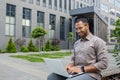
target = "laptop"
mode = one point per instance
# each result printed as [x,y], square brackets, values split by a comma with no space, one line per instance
[56,66]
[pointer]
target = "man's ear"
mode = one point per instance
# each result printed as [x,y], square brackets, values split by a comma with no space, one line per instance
[87,26]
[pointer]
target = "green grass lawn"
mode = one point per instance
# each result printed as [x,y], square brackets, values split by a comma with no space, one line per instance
[39,57]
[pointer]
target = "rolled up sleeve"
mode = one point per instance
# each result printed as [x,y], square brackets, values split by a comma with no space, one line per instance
[101,54]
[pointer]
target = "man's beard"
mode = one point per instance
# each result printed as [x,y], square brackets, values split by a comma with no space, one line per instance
[84,34]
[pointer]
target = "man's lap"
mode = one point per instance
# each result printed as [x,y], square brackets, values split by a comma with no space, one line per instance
[54,76]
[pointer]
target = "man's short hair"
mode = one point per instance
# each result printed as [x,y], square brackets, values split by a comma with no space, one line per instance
[84,20]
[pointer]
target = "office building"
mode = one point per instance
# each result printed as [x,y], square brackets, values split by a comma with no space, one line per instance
[19,17]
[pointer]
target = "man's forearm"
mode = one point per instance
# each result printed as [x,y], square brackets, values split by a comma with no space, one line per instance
[90,68]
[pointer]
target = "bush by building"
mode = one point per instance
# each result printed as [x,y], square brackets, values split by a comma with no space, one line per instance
[11,48]
[31,46]
[24,49]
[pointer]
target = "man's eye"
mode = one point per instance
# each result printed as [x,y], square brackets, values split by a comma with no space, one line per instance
[78,28]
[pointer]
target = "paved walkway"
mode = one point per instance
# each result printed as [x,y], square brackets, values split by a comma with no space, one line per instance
[19,69]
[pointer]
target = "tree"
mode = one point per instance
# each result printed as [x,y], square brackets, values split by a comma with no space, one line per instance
[116,35]
[70,38]
[39,33]
[11,48]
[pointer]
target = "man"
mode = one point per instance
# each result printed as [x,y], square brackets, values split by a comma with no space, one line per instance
[89,55]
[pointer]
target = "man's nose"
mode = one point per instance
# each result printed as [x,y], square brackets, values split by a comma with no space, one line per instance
[78,31]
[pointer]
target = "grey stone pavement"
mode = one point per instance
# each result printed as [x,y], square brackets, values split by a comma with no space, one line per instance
[19,69]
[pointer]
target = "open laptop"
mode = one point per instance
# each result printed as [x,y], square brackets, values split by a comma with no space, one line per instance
[56,66]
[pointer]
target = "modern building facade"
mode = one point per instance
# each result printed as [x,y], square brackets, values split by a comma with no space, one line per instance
[98,26]
[110,11]
[19,17]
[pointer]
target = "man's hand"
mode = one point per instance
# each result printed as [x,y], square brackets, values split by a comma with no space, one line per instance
[69,66]
[71,69]
[74,70]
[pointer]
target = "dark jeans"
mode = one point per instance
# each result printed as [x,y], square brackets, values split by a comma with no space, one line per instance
[54,76]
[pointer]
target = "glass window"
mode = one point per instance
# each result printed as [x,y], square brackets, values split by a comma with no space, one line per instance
[105,17]
[77,4]
[111,32]
[73,3]
[38,2]
[112,40]
[91,1]
[26,22]
[7,19]
[84,5]
[10,10]
[40,18]
[60,5]
[117,13]
[81,5]
[55,4]
[112,1]
[44,3]
[10,20]
[7,30]
[52,25]
[30,1]
[23,0]
[65,5]
[88,1]
[50,4]
[62,28]
[117,3]
[112,11]
[12,29]
[112,21]
[69,4]
[104,7]
[23,22]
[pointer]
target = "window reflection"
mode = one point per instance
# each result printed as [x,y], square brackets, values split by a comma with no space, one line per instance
[112,11]
[10,20]
[112,21]
[104,7]
[117,13]
[117,3]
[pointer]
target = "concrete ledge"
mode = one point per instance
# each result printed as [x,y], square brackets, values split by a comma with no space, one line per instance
[112,68]
[109,72]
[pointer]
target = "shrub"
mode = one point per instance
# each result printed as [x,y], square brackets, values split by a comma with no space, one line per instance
[55,48]
[0,50]
[36,49]
[24,49]
[48,46]
[11,48]
[43,48]
[31,46]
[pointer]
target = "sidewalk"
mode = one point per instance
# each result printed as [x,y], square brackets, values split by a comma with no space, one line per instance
[19,69]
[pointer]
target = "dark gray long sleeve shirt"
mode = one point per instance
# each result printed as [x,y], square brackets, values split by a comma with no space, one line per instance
[91,51]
